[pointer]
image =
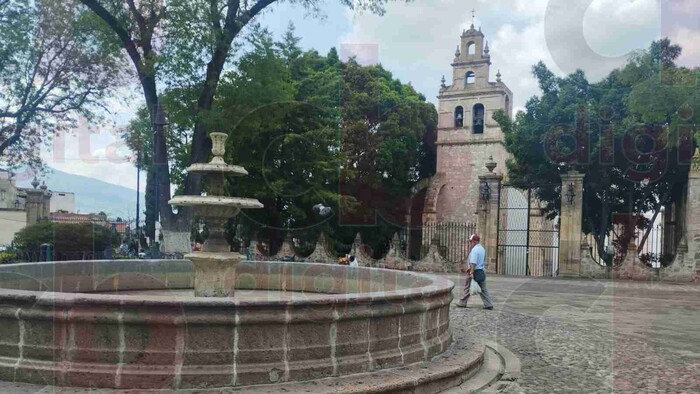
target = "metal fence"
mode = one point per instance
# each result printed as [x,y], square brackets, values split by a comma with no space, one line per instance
[452,239]
[528,241]
[656,252]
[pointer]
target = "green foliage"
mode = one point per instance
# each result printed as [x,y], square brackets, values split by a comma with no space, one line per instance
[8,256]
[310,129]
[66,237]
[631,134]
[53,67]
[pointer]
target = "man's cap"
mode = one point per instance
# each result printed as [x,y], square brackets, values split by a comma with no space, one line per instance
[475,237]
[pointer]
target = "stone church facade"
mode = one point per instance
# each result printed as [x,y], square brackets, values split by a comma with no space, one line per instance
[467,134]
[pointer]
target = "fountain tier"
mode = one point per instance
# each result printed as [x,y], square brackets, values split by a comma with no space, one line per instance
[215,265]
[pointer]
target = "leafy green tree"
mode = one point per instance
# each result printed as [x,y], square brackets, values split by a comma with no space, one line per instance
[186,44]
[296,118]
[51,71]
[382,123]
[624,133]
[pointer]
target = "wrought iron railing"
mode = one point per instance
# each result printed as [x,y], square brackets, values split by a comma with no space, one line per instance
[452,239]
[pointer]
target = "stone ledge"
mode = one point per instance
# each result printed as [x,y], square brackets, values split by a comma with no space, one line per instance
[452,368]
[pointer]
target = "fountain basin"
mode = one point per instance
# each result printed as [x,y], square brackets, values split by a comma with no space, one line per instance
[58,327]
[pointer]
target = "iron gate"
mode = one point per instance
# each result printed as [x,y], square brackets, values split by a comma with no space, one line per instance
[528,242]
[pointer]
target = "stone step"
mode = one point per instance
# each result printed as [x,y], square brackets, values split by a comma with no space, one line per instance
[491,370]
[499,372]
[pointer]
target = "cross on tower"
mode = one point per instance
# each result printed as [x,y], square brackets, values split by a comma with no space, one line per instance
[473,15]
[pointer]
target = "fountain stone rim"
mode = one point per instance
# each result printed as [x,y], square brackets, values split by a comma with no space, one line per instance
[203,201]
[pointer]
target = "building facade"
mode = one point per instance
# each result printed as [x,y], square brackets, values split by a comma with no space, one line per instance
[468,137]
[13,216]
[63,202]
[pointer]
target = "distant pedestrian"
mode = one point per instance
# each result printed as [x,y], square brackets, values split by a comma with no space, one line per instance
[476,264]
[354,262]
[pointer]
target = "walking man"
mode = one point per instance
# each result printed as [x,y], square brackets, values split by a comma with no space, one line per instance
[475,269]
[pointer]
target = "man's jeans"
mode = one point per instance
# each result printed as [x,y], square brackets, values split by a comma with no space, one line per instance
[480,278]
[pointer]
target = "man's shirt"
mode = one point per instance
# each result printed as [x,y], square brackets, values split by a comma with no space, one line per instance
[477,256]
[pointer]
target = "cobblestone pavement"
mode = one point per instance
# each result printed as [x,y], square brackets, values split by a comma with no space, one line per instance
[576,336]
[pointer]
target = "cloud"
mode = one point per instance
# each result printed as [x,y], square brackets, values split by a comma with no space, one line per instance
[514,52]
[96,150]
[689,7]
[416,41]
[690,41]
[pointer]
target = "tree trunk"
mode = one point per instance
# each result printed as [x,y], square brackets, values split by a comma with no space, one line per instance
[651,226]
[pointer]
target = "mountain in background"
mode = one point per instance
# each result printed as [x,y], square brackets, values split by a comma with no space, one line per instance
[93,195]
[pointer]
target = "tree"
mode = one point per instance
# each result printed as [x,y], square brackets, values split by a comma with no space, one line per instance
[52,70]
[196,44]
[296,118]
[624,133]
[66,237]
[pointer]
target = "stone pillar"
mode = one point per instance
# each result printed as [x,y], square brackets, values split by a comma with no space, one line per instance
[571,220]
[687,264]
[487,215]
[35,203]
[46,208]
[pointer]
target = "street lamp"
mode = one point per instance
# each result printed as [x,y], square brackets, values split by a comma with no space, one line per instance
[570,194]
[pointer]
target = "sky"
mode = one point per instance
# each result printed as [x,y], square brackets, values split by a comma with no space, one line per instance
[416,41]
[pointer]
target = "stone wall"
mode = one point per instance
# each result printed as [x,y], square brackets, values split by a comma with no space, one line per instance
[394,259]
[11,221]
[462,165]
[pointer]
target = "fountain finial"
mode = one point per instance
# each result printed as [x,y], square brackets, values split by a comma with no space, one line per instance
[218,147]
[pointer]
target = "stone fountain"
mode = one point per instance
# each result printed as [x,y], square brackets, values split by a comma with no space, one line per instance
[215,265]
[291,327]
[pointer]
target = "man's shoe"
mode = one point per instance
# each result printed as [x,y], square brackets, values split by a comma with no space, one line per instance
[461,305]
[488,308]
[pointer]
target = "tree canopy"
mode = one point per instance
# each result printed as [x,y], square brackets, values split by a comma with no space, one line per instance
[631,134]
[311,129]
[54,67]
[187,44]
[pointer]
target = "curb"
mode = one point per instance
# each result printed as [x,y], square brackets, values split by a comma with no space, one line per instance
[511,369]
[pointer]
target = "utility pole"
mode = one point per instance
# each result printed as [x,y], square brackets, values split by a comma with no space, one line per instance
[159,123]
[138,200]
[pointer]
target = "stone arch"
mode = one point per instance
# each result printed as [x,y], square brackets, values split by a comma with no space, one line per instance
[471,48]
[478,117]
[459,117]
[414,217]
[469,78]
[431,198]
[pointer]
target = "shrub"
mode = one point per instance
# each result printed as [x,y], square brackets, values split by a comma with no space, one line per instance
[66,237]
[8,257]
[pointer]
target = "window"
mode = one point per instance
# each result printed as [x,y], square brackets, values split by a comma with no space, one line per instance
[470,78]
[478,119]
[459,117]
[471,48]
[507,105]
[3,195]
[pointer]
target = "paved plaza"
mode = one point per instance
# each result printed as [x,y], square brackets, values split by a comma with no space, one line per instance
[582,336]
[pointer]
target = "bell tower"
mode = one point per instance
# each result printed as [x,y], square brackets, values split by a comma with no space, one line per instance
[468,136]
